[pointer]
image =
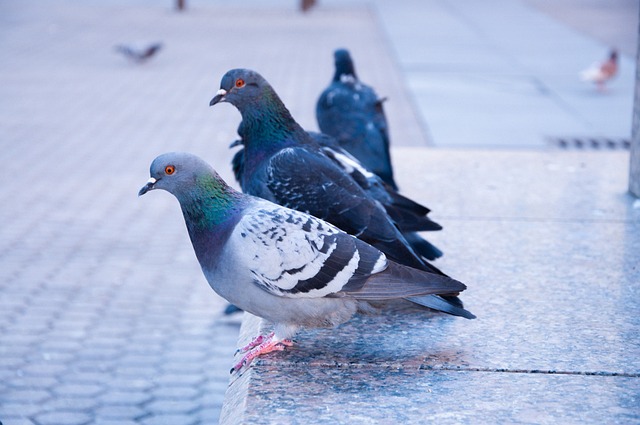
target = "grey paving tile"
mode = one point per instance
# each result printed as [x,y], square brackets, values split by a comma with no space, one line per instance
[13,410]
[78,390]
[21,421]
[166,406]
[63,418]
[175,392]
[170,419]
[128,398]
[69,403]
[30,382]
[121,411]
[20,395]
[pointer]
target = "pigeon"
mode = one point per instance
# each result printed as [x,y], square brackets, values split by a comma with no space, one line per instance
[284,165]
[139,55]
[306,5]
[290,268]
[600,73]
[407,214]
[352,112]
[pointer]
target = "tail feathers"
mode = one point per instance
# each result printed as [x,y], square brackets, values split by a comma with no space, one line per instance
[407,221]
[423,247]
[444,305]
[399,281]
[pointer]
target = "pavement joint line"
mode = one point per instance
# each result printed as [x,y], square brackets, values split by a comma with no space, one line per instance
[535,371]
[428,368]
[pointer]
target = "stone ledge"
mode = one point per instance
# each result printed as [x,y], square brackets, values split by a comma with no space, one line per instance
[549,245]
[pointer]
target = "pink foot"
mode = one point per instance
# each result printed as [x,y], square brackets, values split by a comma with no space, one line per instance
[259,346]
[254,343]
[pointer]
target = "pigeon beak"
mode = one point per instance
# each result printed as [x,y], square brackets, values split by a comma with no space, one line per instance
[219,97]
[147,187]
[235,143]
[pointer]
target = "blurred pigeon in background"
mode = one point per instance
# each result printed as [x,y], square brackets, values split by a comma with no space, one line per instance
[285,266]
[139,54]
[600,73]
[352,112]
[283,164]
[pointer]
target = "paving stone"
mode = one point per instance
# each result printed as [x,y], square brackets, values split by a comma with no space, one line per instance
[9,409]
[69,403]
[172,406]
[180,379]
[170,419]
[175,392]
[20,421]
[125,398]
[26,395]
[78,390]
[120,412]
[106,421]
[63,418]
[44,369]
[129,384]
[31,382]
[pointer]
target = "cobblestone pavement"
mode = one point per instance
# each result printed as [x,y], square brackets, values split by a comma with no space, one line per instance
[105,316]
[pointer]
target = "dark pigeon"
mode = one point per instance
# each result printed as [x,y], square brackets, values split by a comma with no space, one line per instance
[407,214]
[283,164]
[285,266]
[352,112]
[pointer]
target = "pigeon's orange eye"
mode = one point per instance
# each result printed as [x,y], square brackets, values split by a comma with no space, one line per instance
[239,83]
[169,169]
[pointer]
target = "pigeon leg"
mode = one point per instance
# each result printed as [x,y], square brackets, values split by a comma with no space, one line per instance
[267,346]
[254,343]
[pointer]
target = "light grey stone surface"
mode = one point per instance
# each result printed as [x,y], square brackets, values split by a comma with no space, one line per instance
[634,162]
[552,284]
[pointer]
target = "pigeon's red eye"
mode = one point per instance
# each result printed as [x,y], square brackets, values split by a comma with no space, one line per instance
[169,169]
[239,83]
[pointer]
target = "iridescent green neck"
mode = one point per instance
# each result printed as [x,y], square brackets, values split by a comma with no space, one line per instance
[210,202]
[267,122]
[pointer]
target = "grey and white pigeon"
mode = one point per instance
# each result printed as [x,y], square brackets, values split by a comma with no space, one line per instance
[290,268]
[352,112]
[283,164]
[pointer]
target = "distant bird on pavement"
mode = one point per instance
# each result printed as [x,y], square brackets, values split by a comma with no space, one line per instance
[139,55]
[352,112]
[600,73]
[285,266]
[283,164]
[306,5]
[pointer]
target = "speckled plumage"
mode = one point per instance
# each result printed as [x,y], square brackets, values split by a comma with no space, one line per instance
[286,266]
[283,164]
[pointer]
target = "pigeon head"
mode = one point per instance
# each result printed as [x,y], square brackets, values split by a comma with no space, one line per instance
[344,64]
[266,121]
[183,175]
[240,87]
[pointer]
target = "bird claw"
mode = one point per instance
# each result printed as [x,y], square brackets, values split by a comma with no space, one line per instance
[259,346]
[254,343]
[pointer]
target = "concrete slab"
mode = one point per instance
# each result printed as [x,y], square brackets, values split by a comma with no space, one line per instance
[551,274]
[518,185]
